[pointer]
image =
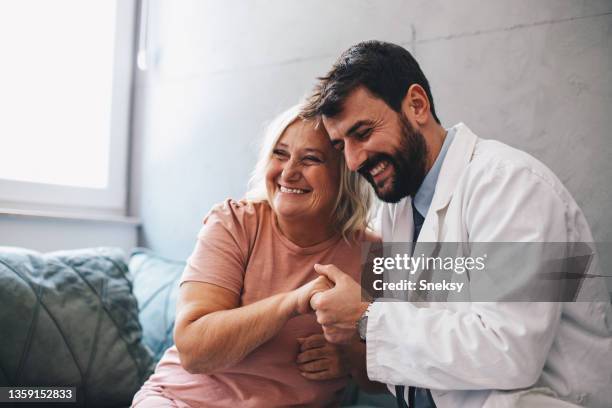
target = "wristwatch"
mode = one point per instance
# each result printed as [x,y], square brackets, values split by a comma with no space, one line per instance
[362,323]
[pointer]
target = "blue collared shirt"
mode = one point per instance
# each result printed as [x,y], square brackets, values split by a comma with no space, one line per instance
[422,202]
[424,195]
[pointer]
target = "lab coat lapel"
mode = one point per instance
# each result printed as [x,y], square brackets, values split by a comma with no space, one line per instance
[457,158]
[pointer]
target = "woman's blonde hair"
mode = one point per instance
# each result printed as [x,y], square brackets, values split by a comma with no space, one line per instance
[354,199]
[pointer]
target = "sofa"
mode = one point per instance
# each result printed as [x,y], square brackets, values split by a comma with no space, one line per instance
[94,319]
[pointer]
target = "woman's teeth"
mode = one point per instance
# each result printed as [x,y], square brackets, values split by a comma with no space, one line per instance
[291,190]
[379,168]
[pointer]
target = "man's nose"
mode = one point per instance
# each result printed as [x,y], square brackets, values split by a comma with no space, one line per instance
[354,156]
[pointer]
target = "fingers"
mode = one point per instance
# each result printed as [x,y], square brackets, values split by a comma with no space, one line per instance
[318,360]
[315,366]
[329,271]
[323,283]
[336,335]
[323,369]
[309,355]
[305,292]
[319,285]
[320,376]
[311,342]
[315,300]
[320,281]
[315,351]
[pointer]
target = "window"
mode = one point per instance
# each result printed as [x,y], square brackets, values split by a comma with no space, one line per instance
[65,103]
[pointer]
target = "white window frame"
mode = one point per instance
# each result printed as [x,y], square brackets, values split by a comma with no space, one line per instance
[112,200]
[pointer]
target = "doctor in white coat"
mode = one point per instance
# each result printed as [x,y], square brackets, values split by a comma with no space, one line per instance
[377,107]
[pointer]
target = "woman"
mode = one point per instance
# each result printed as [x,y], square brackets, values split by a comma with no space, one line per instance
[245,335]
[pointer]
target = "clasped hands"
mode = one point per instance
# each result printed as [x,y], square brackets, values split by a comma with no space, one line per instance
[336,300]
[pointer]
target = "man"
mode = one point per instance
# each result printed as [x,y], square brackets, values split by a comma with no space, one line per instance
[444,185]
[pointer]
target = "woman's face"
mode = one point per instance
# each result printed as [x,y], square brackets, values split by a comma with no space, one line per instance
[303,174]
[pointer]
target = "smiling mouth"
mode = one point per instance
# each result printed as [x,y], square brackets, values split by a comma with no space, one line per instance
[379,168]
[287,190]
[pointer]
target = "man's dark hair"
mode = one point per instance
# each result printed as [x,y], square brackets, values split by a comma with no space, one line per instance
[386,70]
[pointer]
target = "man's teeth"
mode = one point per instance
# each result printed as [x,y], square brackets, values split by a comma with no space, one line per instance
[291,190]
[378,168]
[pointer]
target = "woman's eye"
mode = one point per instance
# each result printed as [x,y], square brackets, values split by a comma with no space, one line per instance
[281,154]
[313,159]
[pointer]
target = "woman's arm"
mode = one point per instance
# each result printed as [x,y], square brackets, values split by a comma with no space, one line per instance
[212,332]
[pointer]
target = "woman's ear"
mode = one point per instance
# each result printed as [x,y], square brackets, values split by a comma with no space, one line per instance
[416,104]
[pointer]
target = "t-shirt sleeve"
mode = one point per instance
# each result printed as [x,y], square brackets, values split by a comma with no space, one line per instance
[222,248]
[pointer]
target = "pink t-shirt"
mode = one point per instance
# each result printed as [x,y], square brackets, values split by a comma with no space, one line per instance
[240,248]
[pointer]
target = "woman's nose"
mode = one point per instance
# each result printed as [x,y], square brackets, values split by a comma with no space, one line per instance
[291,171]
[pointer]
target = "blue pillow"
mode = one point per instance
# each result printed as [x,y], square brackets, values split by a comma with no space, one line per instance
[69,318]
[156,281]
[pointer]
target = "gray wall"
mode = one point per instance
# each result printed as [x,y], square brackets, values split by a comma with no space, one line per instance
[534,74]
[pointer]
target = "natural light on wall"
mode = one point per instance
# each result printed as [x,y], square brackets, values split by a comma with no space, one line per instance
[56,82]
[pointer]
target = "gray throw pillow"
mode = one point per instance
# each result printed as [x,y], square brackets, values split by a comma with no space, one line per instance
[69,318]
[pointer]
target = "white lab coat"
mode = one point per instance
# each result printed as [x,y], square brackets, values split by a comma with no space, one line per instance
[479,354]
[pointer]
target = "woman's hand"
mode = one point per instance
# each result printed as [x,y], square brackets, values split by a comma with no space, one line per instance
[301,296]
[320,360]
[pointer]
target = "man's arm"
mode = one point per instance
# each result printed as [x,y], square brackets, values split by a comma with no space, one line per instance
[480,345]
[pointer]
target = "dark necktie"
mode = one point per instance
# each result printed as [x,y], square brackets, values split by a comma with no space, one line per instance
[418,223]
[399,396]
[412,391]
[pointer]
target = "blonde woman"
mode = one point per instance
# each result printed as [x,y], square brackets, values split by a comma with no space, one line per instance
[245,334]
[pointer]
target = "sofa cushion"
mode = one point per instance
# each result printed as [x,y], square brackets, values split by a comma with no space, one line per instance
[69,318]
[156,282]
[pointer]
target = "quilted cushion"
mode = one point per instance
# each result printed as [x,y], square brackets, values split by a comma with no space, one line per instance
[156,288]
[70,318]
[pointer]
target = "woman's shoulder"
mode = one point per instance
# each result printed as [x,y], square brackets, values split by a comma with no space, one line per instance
[242,214]
[366,235]
[371,236]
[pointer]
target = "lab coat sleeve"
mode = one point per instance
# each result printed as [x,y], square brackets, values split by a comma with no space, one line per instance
[481,345]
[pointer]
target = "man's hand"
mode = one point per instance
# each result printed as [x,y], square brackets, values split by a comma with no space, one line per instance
[302,295]
[320,360]
[339,308]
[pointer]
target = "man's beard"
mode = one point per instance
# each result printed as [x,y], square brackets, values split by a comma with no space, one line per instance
[408,161]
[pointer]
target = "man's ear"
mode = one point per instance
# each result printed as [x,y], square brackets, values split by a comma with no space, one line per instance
[416,104]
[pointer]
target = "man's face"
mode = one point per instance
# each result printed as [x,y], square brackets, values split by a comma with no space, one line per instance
[380,144]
